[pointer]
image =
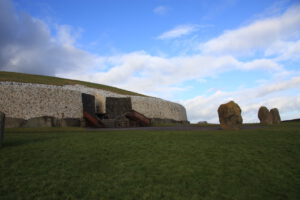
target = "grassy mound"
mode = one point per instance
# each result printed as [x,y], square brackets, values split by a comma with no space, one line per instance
[49,80]
[77,164]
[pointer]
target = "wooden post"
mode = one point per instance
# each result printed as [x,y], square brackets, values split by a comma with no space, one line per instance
[2,121]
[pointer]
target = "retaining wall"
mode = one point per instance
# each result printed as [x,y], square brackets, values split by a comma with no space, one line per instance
[158,108]
[25,100]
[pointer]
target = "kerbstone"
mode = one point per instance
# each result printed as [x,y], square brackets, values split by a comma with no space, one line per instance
[70,122]
[44,121]
[14,122]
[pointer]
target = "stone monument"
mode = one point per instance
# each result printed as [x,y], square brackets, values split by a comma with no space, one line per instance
[275,116]
[264,116]
[230,116]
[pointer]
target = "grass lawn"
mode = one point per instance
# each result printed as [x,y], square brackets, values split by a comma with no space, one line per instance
[76,164]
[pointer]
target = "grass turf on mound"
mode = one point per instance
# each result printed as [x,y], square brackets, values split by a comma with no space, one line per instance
[49,80]
[76,164]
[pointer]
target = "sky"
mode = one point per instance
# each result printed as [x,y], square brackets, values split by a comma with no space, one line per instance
[198,53]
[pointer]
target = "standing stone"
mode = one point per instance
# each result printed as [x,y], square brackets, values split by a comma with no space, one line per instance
[230,116]
[2,122]
[275,116]
[264,116]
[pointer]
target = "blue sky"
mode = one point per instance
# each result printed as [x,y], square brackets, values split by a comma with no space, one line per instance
[197,53]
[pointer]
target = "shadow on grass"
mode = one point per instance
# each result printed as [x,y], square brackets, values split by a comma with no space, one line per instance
[24,141]
[24,136]
[43,130]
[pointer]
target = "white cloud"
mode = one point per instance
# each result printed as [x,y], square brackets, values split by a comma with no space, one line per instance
[161,10]
[284,50]
[67,35]
[178,31]
[158,76]
[266,64]
[257,35]
[279,86]
[26,45]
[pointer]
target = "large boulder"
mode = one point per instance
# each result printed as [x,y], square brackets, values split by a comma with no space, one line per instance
[2,123]
[230,116]
[264,116]
[275,116]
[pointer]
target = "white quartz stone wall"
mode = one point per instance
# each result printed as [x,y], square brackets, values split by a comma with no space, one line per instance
[25,100]
[158,108]
[151,107]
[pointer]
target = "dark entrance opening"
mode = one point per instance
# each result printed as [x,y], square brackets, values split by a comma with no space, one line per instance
[88,102]
[89,109]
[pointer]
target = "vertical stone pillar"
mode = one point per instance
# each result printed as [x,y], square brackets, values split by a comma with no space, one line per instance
[2,121]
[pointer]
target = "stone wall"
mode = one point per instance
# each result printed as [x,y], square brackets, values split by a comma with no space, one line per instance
[27,101]
[151,107]
[23,100]
[158,108]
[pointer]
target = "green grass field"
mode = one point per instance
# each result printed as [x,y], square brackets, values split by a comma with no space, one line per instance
[49,80]
[77,164]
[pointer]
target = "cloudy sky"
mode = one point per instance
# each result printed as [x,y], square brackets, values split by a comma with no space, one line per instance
[199,53]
